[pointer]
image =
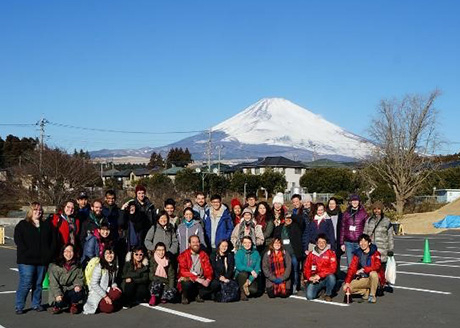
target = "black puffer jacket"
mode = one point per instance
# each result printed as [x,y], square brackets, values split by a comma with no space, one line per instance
[218,265]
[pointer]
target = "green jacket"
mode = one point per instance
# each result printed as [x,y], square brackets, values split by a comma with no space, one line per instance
[139,276]
[246,261]
[62,280]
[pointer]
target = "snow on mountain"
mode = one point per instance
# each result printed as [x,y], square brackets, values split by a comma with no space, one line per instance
[270,127]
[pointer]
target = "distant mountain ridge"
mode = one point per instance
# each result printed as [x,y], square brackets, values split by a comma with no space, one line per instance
[270,127]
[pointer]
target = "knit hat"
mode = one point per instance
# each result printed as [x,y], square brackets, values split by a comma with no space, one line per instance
[235,202]
[307,198]
[354,197]
[279,198]
[140,188]
[247,210]
[378,204]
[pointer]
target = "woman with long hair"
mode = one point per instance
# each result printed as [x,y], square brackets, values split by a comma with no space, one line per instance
[66,281]
[187,228]
[104,293]
[67,225]
[135,277]
[162,276]
[164,232]
[320,224]
[276,266]
[96,242]
[35,243]
[223,266]
[264,217]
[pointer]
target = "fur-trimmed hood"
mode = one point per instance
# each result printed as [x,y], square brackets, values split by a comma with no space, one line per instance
[129,255]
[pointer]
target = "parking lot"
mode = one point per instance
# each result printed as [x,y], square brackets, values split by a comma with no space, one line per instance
[425,295]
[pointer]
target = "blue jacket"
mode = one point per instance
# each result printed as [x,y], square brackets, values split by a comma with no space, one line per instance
[312,230]
[246,261]
[224,227]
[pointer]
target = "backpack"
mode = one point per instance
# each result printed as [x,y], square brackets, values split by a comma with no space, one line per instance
[229,292]
[90,268]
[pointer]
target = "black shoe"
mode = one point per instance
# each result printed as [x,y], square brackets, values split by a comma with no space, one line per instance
[19,312]
[184,300]
[39,308]
[199,299]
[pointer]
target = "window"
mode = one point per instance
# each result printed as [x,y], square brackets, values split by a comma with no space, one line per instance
[298,171]
[257,170]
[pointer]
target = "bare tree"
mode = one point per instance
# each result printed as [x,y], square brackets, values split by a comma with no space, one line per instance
[59,177]
[405,133]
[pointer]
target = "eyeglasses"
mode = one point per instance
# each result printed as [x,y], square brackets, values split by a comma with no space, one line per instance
[138,254]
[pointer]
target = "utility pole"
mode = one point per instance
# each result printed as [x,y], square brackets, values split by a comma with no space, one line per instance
[209,150]
[219,149]
[41,124]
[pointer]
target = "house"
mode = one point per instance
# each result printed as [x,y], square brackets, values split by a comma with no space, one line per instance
[123,178]
[172,172]
[447,195]
[292,170]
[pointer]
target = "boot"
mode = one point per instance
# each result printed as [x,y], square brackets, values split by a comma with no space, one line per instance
[153,300]
[243,296]
[184,299]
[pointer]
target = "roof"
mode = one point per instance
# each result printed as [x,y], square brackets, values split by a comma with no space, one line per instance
[110,173]
[324,162]
[141,171]
[173,170]
[275,161]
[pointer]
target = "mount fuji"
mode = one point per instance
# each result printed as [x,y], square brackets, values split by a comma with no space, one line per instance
[270,127]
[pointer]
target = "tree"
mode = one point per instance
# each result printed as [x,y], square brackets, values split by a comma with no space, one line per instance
[273,181]
[187,181]
[178,157]
[156,160]
[239,179]
[405,135]
[328,180]
[159,187]
[59,177]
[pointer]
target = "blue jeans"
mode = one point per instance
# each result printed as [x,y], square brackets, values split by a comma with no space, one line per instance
[30,277]
[313,289]
[295,271]
[350,247]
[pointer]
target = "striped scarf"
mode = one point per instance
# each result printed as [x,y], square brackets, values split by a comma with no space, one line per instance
[278,267]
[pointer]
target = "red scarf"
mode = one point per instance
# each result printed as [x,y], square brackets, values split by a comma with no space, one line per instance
[261,219]
[278,267]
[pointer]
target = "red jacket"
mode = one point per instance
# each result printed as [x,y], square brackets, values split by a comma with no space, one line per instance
[322,264]
[64,233]
[185,264]
[373,263]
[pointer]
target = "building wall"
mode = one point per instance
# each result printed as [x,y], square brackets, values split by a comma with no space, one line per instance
[292,175]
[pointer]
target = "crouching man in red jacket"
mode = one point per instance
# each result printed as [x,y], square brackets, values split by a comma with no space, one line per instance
[195,272]
[363,273]
[319,269]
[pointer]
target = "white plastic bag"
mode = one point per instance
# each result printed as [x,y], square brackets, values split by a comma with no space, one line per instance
[390,272]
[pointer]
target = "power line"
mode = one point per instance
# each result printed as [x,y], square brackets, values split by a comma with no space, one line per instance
[120,131]
[18,124]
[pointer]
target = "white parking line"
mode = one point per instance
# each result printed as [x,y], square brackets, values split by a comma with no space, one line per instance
[318,301]
[14,269]
[423,290]
[8,292]
[448,261]
[450,242]
[179,313]
[420,256]
[403,263]
[431,250]
[427,274]
[452,247]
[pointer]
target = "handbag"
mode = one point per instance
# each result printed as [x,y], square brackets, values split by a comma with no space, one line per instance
[390,272]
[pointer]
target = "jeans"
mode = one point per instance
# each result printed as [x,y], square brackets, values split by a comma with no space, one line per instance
[295,271]
[350,247]
[30,277]
[70,297]
[313,289]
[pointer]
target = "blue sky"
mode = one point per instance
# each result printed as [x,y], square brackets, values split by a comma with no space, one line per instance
[164,66]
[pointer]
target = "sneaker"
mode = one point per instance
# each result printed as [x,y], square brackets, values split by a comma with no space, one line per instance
[74,308]
[184,300]
[327,298]
[366,295]
[246,289]
[39,308]
[19,311]
[243,296]
[372,299]
[55,310]
[199,299]
[153,300]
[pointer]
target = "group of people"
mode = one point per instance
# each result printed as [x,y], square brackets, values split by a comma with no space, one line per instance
[100,257]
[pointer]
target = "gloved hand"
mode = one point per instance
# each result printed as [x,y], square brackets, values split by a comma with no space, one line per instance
[278,281]
[390,253]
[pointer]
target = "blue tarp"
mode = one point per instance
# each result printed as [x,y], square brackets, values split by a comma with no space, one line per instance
[450,221]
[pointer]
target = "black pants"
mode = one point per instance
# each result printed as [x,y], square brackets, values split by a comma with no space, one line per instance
[242,277]
[191,289]
[70,297]
[135,293]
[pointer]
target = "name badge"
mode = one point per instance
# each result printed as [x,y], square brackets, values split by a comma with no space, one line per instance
[352,228]
[286,241]
[313,267]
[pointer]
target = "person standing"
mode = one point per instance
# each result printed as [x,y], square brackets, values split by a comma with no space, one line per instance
[113,213]
[200,204]
[334,212]
[83,208]
[187,228]
[321,224]
[247,228]
[236,211]
[353,222]
[264,218]
[164,232]
[35,243]
[143,204]
[217,222]
[67,226]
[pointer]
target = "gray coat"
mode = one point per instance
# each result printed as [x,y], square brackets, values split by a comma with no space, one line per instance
[158,234]
[62,281]
[383,235]
[269,274]
[183,233]
[98,287]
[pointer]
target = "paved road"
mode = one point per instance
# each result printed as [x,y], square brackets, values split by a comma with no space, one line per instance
[430,306]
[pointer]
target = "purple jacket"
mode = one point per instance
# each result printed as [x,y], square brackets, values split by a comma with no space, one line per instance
[352,225]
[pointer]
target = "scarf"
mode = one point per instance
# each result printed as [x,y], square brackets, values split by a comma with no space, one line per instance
[262,220]
[189,224]
[95,219]
[336,211]
[248,256]
[242,232]
[68,265]
[318,219]
[71,224]
[277,266]
[162,264]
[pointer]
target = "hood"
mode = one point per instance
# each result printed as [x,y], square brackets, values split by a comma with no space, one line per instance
[372,250]
[129,255]
[318,253]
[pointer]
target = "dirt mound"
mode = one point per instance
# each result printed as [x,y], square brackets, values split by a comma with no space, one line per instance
[422,223]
